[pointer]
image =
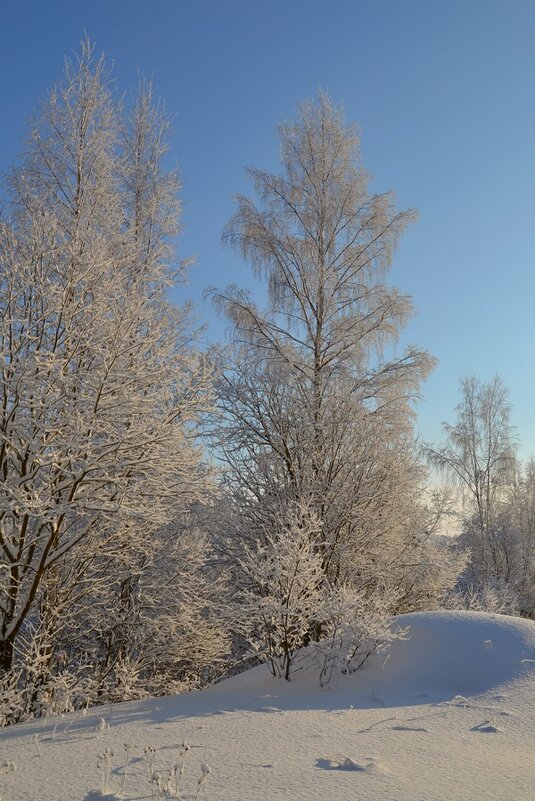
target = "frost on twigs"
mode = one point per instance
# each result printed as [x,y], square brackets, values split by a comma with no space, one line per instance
[105,589]
[293,616]
[323,474]
[282,591]
[355,627]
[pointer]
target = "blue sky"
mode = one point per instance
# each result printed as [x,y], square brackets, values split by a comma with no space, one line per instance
[443,92]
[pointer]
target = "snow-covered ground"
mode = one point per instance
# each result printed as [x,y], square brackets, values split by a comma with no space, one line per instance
[449,715]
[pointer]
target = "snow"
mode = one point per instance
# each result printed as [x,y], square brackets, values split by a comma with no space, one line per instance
[448,715]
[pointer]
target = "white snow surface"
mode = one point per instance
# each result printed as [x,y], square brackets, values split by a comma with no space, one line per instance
[448,715]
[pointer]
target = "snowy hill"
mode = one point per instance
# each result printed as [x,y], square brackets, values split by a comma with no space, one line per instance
[449,715]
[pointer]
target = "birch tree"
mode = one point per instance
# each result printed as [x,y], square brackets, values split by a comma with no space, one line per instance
[317,402]
[497,492]
[479,448]
[101,388]
[479,455]
[523,523]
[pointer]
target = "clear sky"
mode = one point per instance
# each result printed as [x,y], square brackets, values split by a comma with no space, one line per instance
[443,92]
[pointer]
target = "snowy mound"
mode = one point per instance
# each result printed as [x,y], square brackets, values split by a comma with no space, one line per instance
[447,715]
[454,653]
[445,654]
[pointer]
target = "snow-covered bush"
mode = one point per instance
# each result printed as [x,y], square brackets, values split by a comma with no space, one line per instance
[489,596]
[292,616]
[353,627]
[12,697]
[282,590]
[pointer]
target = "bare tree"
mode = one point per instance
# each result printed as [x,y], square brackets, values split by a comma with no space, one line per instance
[479,451]
[498,532]
[520,533]
[101,388]
[317,403]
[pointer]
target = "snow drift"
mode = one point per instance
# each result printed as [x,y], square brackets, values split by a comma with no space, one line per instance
[445,654]
[461,653]
[448,715]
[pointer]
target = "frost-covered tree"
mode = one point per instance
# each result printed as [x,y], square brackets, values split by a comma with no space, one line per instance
[285,596]
[479,449]
[523,524]
[479,455]
[317,403]
[102,391]
[282,590]
[156,624]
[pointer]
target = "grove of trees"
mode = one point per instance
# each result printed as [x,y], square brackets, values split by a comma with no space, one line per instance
[102,395]
[167,516]
[497,493]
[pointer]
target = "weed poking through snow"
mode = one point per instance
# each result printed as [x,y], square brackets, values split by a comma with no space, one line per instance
[150,758]
[165,783]
[125,767]
[104,765]
[201,784]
